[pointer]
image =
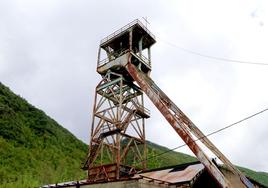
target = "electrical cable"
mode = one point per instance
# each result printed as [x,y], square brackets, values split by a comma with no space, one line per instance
[213,57]
[212,133]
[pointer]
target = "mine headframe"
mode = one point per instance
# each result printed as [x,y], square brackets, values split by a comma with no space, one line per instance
[117,147]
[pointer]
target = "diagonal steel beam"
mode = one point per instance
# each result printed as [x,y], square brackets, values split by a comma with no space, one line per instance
[179,126]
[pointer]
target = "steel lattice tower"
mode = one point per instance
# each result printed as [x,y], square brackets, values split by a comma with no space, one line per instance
[117,147]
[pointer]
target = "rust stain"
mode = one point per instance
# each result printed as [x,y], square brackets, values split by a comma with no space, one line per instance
[159,101]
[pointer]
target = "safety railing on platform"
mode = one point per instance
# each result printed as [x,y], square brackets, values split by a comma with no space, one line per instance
[103,62]
[144,59]
[142,109]
[126,27]
[113,56]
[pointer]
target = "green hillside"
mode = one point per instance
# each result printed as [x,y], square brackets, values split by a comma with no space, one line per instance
[165,156]
[260,177]
[36,150]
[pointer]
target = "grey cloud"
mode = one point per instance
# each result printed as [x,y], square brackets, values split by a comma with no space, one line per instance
[48,52]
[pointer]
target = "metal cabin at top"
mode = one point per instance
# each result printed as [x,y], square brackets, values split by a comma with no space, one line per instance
[131,41]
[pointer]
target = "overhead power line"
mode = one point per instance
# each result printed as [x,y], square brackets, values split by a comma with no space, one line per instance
[212,133]
[213,57]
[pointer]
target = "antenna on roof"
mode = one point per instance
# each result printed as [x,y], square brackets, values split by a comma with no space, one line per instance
[146,21]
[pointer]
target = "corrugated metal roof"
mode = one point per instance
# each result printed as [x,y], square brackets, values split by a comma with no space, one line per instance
[173,175]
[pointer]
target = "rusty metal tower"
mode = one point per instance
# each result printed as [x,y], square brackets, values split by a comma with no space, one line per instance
[117,132]
[117,144]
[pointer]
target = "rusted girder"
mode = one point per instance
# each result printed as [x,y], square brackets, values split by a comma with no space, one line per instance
[199,134]
[177,124]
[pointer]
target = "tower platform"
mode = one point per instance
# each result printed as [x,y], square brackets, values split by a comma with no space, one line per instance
[126,45]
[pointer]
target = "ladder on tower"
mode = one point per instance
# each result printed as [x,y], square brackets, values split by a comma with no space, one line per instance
[184,127]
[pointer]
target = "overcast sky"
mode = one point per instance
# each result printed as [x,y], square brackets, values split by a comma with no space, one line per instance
[48,52]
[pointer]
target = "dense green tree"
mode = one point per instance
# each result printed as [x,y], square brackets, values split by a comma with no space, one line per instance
[34,149]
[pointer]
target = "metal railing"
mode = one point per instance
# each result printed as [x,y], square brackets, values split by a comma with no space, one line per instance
[141,57]
[142,108]
[126,27]
[103,62]
[145,59]
[146,111]
[113,57]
